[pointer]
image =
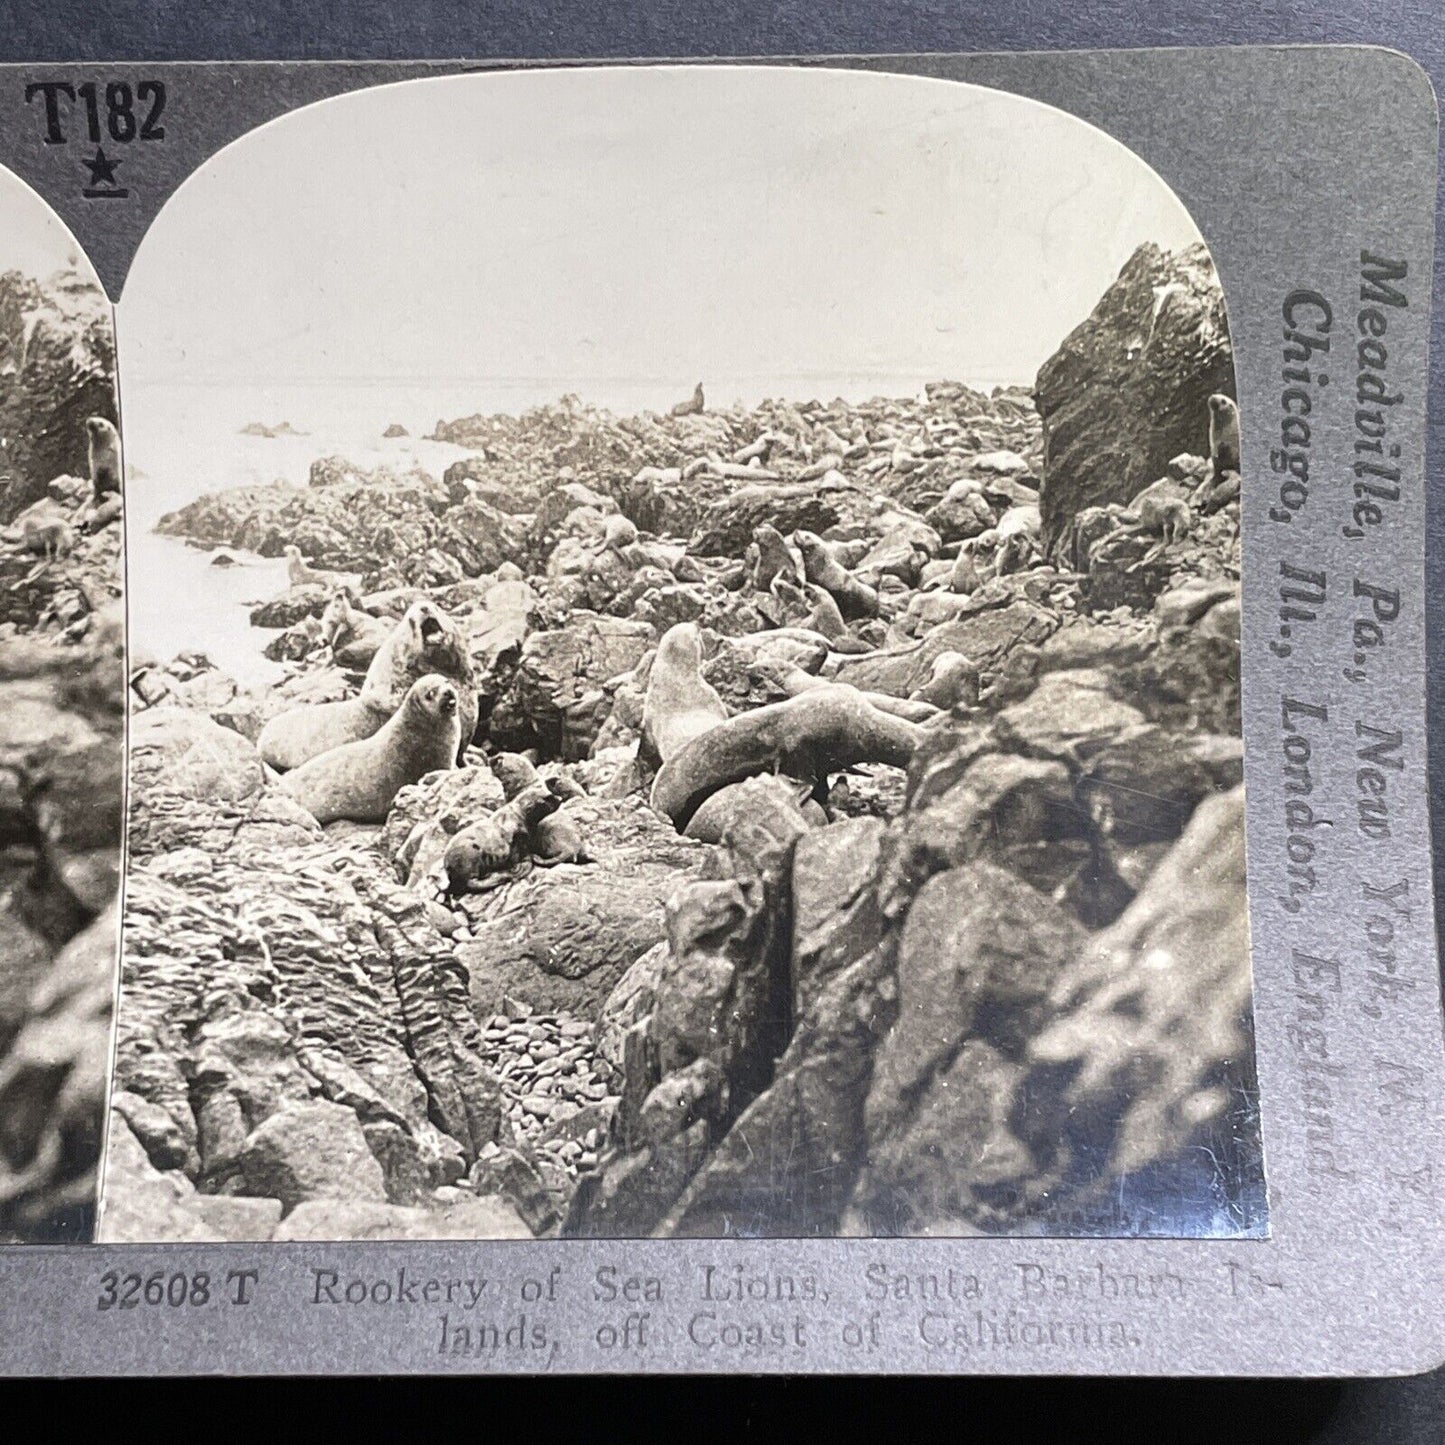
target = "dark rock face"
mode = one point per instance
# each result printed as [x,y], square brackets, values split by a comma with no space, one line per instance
[1129,388]
[57,367]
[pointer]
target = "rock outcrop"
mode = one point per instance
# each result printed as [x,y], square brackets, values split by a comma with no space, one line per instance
[1129,388]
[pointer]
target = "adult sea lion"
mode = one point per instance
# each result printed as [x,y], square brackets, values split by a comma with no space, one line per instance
[360,780]
[425,641]
[680,705]
[692,406]
[854,598]
[105,467]
[299,573]
[1223,435]
[774,559]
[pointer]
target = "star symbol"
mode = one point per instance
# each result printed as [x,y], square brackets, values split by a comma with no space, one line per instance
[102,168]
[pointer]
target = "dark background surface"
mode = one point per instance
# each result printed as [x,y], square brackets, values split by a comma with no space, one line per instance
[1399,1412]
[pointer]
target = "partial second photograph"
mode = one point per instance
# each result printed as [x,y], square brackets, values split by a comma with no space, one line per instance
[684,675]
[62,721]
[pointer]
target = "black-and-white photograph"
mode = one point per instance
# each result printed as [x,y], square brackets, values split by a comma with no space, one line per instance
[684,675]
[62,717]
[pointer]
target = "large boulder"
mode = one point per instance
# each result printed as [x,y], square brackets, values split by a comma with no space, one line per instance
[1129,388]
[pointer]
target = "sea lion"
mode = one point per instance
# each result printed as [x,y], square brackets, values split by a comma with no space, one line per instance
[50,537]
[1018,538]
[692,406]
[424,641]
[487,853]
[360,780]
[354,636]
[1223,435]
[853,597]
[618,532]
[110,511]
[105,466]
[298,572]
[680,705]
[516,772]
[1169,516]
[773,559]
[974,564]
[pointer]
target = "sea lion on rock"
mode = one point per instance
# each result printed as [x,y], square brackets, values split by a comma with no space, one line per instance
[1223,435]
[773,559]
[1018,539]
[680,705]
[488,853]
[692,406]
[819,732]
[110,511]
[853,597]
[104,449]
[50,537]
[424,641]
[354,636]
[360,780]
[974,564]
[298,572]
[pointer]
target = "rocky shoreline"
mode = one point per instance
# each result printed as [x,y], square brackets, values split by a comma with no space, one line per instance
[934,924]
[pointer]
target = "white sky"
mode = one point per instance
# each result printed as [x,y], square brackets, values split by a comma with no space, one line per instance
[625,232]
[33,239]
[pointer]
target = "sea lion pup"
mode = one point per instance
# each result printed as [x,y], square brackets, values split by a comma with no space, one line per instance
[298,572]
[1223,435]
[692,406]
[679,705]
[50,537]
[1018,539]
[424,641]
[853,597]
[1169,516]
[360,780]
[105,468]
[491,851]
